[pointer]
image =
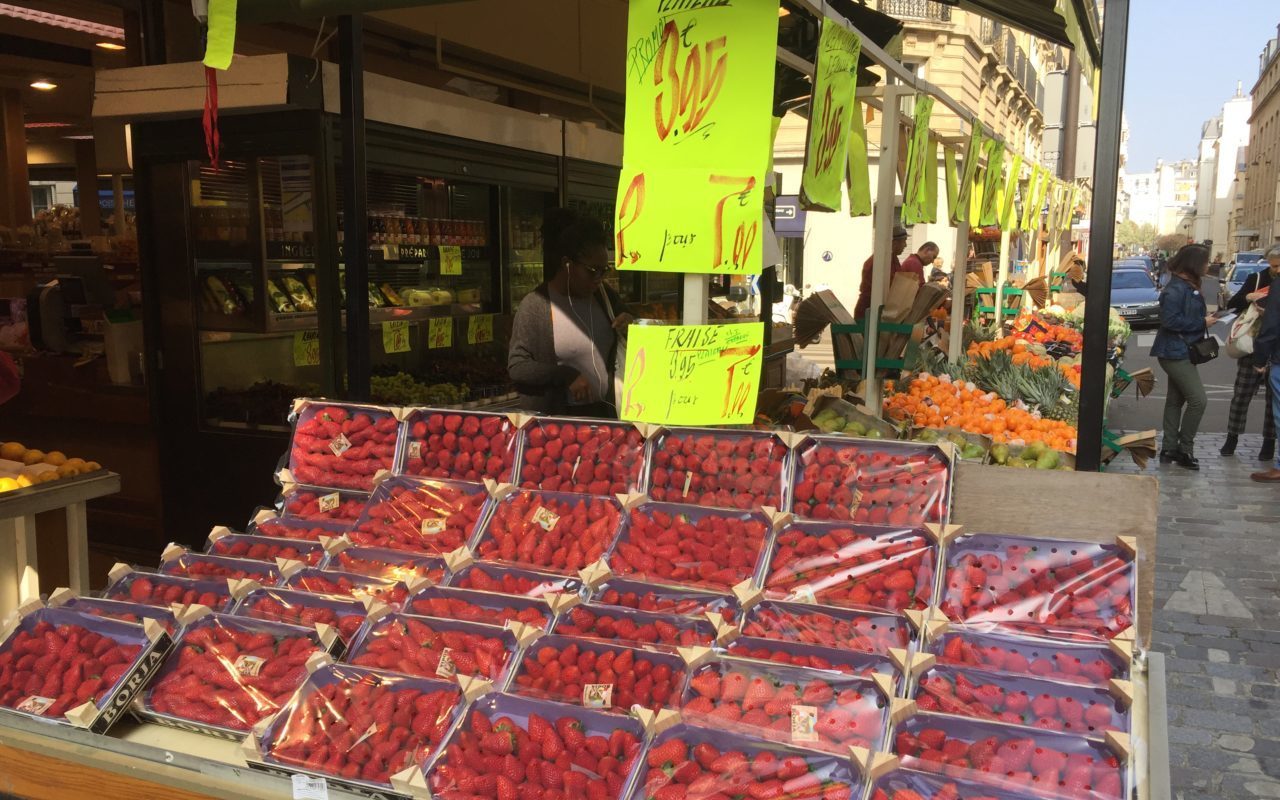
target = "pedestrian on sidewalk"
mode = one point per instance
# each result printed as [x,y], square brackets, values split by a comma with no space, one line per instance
[1184,320]
[1266,352]
[1248,378]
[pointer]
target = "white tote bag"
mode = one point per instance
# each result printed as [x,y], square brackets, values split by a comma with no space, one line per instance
[1240,340]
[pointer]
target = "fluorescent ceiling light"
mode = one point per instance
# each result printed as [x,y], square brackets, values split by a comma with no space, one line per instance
[44,86]
[109,45]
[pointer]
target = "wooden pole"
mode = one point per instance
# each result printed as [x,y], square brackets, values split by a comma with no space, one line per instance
[882,258]
[959,274]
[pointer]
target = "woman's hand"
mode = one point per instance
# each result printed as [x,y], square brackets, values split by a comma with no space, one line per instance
[1210,320]
[621,322]
[580,390]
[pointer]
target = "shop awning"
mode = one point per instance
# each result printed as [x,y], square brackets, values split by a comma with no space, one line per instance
[1071,23]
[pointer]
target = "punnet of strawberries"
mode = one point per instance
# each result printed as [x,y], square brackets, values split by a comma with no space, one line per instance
[584,457]
[640,628]
[349,584]
[510,748]
[155,589]
[848,565]
[342,446]
[787,704]
[468,446]
[476,606]
[1048,585]
[684,601]
[267,548]
[199,565]
[58,659]
[810,656]
[1021,701]
[827,627]
[556,532]
[685,545]
[1060,661]
[907,784]
[322,505]
[382,562]
[433,648]
[123,610]
[297,529]
[513,581]
[597,675]
[902,484]
[424,516]
[344,614]
[230,672]
[690,763]
[1054,765]
[740,469]
[362,725]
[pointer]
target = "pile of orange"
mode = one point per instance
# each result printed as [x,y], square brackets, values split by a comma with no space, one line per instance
[1045,332]
[1072,373]
[1022,353]
[933,402]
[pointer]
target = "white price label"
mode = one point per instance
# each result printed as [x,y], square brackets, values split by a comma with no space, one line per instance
[597,695]
[545,518]
[688,479]
[340,445]
[329,502]
[446,668]
[249,665]
[802,594]
[35,704]
[415,449]
[306,787]
[434,526]
[804,724]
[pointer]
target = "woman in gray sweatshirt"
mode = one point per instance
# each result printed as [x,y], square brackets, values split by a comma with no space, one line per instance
[564,335]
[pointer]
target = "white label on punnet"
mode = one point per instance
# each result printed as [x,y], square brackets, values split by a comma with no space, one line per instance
[340,444]
[306,787]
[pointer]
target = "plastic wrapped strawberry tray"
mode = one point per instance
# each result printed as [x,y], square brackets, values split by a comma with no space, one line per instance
[157,589]
[685,601]
[827,626]
[691,545]
[435,648]
[849,564]
[646,629]
[471,605]
[122,610]
[348,584]
[743,470]
[356,727]
[178,561]
[581,456]
[427,516]
[318,504]
[459,445]
[341,445]
[797,654]
[61,666]
[876,482]
[1071,662]
[267,524]
[553,531]
[908,784]
[599,675]
[1061,588]
[383,562]
[265,548]
[308,609]
[514,581]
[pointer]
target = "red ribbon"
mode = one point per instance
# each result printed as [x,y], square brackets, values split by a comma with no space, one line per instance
[212,139]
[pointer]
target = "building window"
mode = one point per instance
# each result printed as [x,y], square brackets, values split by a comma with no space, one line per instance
[41,198]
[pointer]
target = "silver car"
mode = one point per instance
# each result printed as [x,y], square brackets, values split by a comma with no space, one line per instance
[1135,296]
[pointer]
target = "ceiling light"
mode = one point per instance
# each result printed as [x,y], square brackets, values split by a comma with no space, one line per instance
[44,86]
[80,136]
[110,45]
[46,125]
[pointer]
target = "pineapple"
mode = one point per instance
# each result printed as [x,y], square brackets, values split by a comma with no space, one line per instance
[1047,388]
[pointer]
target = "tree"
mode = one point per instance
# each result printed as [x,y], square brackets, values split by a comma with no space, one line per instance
[1170,242]
[1131,237]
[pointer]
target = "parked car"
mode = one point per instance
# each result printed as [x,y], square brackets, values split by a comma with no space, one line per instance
[1145,262]
[1233,277]
[1134,295]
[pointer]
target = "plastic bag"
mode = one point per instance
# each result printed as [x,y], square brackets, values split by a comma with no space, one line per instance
[322,505]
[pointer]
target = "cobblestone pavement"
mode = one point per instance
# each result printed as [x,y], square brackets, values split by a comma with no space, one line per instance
[1217,620]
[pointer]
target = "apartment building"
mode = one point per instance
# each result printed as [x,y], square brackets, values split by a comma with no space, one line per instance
[1260,218]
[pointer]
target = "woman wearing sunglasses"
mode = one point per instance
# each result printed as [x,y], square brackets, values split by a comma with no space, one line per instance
[564,336]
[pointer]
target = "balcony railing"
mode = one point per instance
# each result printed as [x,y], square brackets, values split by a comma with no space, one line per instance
[927,10]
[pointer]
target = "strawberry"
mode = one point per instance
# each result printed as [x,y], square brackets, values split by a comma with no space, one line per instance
[737,471]
[463,445]
[341,447]
[417,646]
[407,514]
[558,668]
[672,751]
[539,530]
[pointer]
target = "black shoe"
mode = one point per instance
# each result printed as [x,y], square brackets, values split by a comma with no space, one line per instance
[1168,456]
[1229,449]
[1186,460]
[1268,450]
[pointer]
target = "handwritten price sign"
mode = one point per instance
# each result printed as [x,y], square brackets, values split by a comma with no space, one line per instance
[395,337]
[697,140]
[306,348]
[831,117]
[439,333]
[480,329]
[692,374]
[450,259]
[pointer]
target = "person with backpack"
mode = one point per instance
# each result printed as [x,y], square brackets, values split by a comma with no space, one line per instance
[1256,289]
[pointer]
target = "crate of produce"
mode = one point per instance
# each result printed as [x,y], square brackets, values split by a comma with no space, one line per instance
[803,707]
[514,581]
[582,456]
[340,445]
[850,564]
[315,504]
[426,516]
[123,610]
[225,673]
[63,666]
[1044,763]
[296,607]
[165,591]
[363,730]
[383,562]
[1086,663]
[267,524]
[1062,588]
[599,675]
[472,605]
[647,629]
[178,560]
[225,542]
[684,601]
[602,751]
[745,470]
[850,629]
[881,483]
[460,445]
[434,648]
[810,656]
[692,545]
[553,531]
[909,784]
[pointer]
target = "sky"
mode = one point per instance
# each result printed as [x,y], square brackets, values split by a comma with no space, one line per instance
[1184,59]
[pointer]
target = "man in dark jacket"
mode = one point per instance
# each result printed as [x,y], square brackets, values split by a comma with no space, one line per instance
[1248,379]
[1266,353]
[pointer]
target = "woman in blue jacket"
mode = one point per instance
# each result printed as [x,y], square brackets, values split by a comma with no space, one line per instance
[1184,320]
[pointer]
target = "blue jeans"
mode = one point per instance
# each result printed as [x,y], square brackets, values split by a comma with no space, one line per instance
[1275,398]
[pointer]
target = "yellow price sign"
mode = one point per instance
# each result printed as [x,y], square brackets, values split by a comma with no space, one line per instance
[692,374]
[831,118]
[450,259]
[395,337]
[440,333]
[699,89]
[306,348]
[480,329]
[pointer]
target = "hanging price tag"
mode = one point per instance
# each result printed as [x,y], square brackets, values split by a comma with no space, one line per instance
[439,333]
[480,329]
[395,337]
[306,348]
[450,259]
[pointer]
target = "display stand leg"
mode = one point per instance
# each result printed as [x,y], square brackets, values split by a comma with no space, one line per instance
[959,283]
[77,549]
[1003,275]
[19,569]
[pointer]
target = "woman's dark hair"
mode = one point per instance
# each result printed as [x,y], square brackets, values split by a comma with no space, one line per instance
[566,234]
[1190,262]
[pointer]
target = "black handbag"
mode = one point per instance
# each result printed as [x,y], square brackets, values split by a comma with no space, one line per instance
[1203,351]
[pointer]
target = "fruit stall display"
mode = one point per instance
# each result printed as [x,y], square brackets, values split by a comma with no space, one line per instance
[571,644]
[22,467]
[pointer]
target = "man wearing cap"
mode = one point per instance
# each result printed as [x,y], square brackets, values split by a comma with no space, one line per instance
[864,293]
